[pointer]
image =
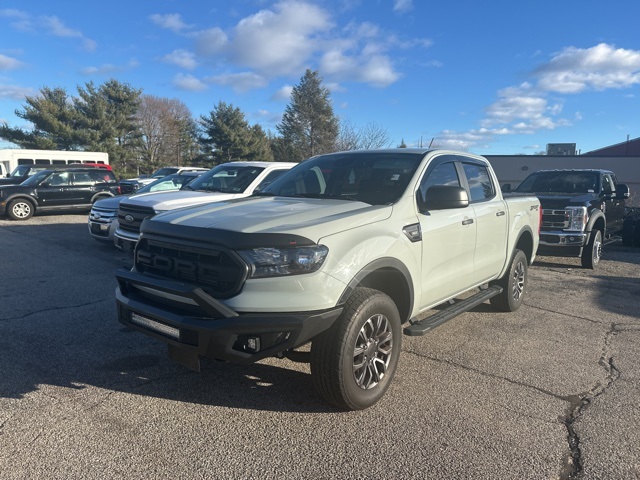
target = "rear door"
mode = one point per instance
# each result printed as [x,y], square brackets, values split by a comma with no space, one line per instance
[81,190]
[614,206]
[490,213]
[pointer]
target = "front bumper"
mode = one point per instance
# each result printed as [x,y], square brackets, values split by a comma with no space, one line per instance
[562,244]
[125,240]
[195,324]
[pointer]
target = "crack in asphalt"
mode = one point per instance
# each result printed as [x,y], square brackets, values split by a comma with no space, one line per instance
[573,463]
[570,315]
[20,317]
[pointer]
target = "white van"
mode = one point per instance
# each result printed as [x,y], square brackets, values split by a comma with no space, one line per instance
[10,159]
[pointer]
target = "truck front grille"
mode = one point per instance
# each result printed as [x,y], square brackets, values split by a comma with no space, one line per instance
[131,216]
[552,218]
[219,272]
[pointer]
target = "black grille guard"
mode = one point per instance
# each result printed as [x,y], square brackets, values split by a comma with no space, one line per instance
[195,295]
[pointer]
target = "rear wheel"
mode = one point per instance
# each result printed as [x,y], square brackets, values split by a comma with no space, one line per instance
[20,209]
[593,251]
[353,363]
[513,283]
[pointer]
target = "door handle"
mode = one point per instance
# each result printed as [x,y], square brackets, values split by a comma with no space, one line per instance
[501,213]
[468,221]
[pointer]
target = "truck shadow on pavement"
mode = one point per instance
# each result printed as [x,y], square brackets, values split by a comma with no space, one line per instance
[139,367]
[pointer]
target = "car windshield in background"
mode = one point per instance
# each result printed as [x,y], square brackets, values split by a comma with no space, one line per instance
[226,179]
[163,172]
[376,178]
[560,182]
[37,178]
[170,182]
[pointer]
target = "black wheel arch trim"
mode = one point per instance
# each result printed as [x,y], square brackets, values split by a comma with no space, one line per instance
[378,264]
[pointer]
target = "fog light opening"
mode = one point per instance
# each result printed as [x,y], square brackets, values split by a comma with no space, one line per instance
[249,343]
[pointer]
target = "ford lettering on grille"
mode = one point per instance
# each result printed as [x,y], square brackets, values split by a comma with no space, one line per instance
[214,271]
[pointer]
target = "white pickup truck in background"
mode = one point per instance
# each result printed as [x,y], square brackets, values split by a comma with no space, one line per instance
[338,252]
[224,182]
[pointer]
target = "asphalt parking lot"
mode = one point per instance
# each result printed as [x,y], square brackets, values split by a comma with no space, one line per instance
[548,392]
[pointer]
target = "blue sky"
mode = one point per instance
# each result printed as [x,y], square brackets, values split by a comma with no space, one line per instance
[498,77]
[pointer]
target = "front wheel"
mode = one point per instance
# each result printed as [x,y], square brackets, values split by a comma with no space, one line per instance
[20,209]
[513,283]
[354,361]
[593,251]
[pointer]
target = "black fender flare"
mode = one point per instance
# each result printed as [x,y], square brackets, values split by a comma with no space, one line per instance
[378,264]
[23,196]
[100,196]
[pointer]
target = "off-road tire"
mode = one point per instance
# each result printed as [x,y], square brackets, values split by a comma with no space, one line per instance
[354,361]
[513,283]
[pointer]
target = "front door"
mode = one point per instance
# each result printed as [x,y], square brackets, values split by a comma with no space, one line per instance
[448,238]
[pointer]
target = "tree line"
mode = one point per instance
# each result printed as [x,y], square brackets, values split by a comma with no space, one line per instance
[143,132]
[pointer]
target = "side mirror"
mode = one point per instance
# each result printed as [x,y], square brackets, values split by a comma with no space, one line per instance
[622,191]
[506,188]
[442,197]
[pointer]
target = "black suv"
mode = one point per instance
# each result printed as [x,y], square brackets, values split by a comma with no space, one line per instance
[70,188]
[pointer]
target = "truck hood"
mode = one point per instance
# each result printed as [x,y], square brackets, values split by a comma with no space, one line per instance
[561,200]
[310,218]
[110,203]
[163,201]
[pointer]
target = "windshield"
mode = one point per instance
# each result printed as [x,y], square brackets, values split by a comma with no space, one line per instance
[163,172]
[170,182]
[377,178]
[37,178]
[226,179]
[561,182]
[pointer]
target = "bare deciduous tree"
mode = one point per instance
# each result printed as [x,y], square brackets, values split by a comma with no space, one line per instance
[168,131]
[371,136]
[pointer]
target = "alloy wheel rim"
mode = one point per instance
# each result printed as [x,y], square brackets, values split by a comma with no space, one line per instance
[372,352]
[518,284]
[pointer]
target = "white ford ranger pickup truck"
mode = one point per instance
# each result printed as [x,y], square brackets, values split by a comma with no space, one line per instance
[331,264]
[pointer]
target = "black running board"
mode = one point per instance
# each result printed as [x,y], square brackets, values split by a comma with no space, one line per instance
[421,327]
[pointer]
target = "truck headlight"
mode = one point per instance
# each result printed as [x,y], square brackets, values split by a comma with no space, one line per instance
[577,218]
[274,262]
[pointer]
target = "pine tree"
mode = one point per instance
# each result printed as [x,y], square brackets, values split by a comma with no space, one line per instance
[309,126]
[228,137]
[54,122]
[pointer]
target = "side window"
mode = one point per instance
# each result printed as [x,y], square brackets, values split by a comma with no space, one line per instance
[271,176]
[58,179]
[607,186]
[82,179]
[443,174]
[480,184]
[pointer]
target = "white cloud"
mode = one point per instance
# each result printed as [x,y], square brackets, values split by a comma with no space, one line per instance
[170,21]
[15,92]
[188,83]
[402,6]
[279,41]
[574,70]
[290,36]
[182,58]
[211,42]
[283,93]
[108,68]
[240,82]
[49,24]
[8,63]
